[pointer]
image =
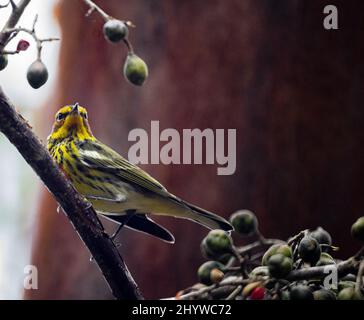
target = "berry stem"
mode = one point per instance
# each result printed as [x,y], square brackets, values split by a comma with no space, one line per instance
[129,46]
[12,32]
[94,7]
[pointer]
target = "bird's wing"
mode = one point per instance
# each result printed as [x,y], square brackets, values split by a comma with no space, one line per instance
[142,223]
[98,156]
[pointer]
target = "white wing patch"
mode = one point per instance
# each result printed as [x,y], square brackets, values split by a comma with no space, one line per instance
[118,199]
[93,154]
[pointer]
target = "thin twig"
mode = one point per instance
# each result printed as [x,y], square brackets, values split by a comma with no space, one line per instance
[235,293]
[229,281]
[258,245]
[94,7]
[39,42]
[13,5]
[10,52]
[128,45]
[241,261]
[359,254]
[359,278]
[297,237]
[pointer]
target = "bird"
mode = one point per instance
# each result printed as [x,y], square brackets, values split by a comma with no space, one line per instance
[117,189]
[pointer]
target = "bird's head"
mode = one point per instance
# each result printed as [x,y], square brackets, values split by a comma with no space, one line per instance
[71,122]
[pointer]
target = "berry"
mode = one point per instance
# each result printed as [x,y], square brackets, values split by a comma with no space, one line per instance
[325,259]
[279,265]
[37,74]
[286,250]
[22,45]
[135,69]
[349,294]
[244,222]
[276,248]
[309,250]
[204,271]
[357,229]
[258,293]
[301,292]
[115,30]
[324,294]
[3,61]
[218,242]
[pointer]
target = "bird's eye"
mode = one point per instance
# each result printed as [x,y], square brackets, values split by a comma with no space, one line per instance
[60,116]
[84,115]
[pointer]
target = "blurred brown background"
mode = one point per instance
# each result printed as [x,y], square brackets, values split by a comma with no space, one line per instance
[268,68]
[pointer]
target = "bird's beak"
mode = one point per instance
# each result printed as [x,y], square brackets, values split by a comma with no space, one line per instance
[75,109]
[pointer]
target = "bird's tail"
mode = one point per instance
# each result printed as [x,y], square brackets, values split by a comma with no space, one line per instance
[206,218]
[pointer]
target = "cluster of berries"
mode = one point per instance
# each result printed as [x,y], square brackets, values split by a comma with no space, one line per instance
[273,269]
[135,69]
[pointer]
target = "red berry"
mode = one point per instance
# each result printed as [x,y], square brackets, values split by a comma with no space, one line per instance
[257,294]
[22,45]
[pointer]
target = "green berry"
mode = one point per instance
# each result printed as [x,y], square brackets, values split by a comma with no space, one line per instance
[321,236]
[324,294]
[218,242]
[325,259]
[285,295]
[286,250]
[279,266]
[204,271]
[216,275]
[345,284]
[37,74]
[270,252]
[115,30]
[260,271]
[277,248]
[309,250]
[244,222]
[357,229]
[301,292]
[3,61]
[135,69]
[206,253]
[349,294]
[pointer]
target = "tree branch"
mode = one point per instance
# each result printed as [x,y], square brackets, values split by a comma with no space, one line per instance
[343,268]
[77,209]
[39,42]
[12,21]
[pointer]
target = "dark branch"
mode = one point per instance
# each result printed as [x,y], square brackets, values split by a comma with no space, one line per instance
[12,21]
[343,268]
[77,209]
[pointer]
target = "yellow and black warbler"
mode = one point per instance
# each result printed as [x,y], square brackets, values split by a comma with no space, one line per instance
[116,188]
